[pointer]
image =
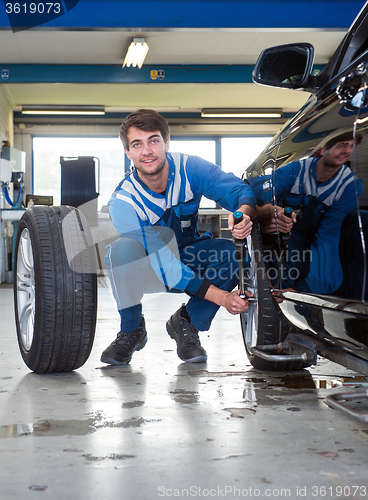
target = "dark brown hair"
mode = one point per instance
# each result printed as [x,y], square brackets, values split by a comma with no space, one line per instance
[346,136]
[147,120]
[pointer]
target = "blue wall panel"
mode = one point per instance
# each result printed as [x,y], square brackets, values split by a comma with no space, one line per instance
[80,73]
[165,14]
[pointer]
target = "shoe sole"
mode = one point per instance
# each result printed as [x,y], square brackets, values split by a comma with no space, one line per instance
[115,362]
[172,333]
[197,359]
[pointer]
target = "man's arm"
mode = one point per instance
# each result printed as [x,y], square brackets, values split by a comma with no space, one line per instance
[278,184]
[232,301]
[267,215]
[227,190]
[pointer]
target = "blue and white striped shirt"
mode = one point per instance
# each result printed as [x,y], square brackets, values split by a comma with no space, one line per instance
[328,203]
[165,223]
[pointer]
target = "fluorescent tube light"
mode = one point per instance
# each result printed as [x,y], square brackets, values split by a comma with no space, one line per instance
[136,54]
[44,109]
[241,113]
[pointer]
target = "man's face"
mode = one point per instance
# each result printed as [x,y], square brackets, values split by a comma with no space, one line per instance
[338,154]
[147,150]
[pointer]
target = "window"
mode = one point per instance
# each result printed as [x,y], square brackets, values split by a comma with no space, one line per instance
[46,161]
[237,153]
[206,149]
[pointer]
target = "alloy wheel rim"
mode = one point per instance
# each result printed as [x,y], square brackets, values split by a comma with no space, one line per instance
[25,283]
[251,286]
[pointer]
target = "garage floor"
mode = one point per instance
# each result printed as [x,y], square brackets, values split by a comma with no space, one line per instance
[162,428]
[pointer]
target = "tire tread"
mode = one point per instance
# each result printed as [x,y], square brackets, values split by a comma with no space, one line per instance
[66,296]
[273,327]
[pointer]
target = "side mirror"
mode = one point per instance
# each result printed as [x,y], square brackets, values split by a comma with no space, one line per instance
[287,66]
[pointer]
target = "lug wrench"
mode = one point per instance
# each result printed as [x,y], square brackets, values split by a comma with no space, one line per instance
[283,246]
[239,252]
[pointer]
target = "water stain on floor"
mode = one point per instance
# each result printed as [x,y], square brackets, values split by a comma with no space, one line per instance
[52,427]
[132,404]
[185,397]
[289,381]
[110,456]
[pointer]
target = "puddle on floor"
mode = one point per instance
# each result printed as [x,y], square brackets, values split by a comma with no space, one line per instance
[110,456]
[205,373]
[287,381]
[332,382]
[52,427]
[274,389]
[185,397]
[294,381]
[132,404]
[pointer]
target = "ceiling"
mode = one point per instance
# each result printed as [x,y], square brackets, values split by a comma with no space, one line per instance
[166,48]
[104,47]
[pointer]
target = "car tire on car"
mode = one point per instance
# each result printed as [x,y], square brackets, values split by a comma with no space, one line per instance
[55,289]
[263,323]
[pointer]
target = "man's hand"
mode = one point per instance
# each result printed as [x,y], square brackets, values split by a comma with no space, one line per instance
[242,229]
[232,301]
[284,223]
[234,304]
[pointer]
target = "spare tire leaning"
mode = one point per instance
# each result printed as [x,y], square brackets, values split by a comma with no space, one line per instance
[55,289]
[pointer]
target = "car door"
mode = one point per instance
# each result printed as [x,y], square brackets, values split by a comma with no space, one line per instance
[338,103]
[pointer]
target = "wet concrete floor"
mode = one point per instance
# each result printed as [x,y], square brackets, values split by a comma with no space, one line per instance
[160,428]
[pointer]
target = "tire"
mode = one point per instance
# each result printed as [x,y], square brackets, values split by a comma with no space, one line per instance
[55,289]
[263,323]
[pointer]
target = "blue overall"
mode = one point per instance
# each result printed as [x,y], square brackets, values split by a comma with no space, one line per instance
[160,248]
[354,260]
[313,249]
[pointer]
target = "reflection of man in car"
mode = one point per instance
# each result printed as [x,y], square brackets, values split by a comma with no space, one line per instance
[321,191]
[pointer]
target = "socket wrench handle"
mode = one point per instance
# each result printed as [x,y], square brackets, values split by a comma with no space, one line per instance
[239,251]
[238,217]
[285,237]
[288,211]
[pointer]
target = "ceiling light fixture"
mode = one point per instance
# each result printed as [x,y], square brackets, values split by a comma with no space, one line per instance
[136,54]
[241,113]
[46,109]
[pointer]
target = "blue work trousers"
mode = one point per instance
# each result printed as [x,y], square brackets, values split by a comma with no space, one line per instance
[354,260]
[132,275]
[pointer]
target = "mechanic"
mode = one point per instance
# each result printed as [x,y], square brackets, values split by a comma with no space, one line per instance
[321,190]
[155,210]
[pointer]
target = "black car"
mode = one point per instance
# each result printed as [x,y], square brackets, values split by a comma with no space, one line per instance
[289,333]
[55,293]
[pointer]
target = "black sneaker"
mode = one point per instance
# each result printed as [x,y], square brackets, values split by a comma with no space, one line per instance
[189,347]
[121,350]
